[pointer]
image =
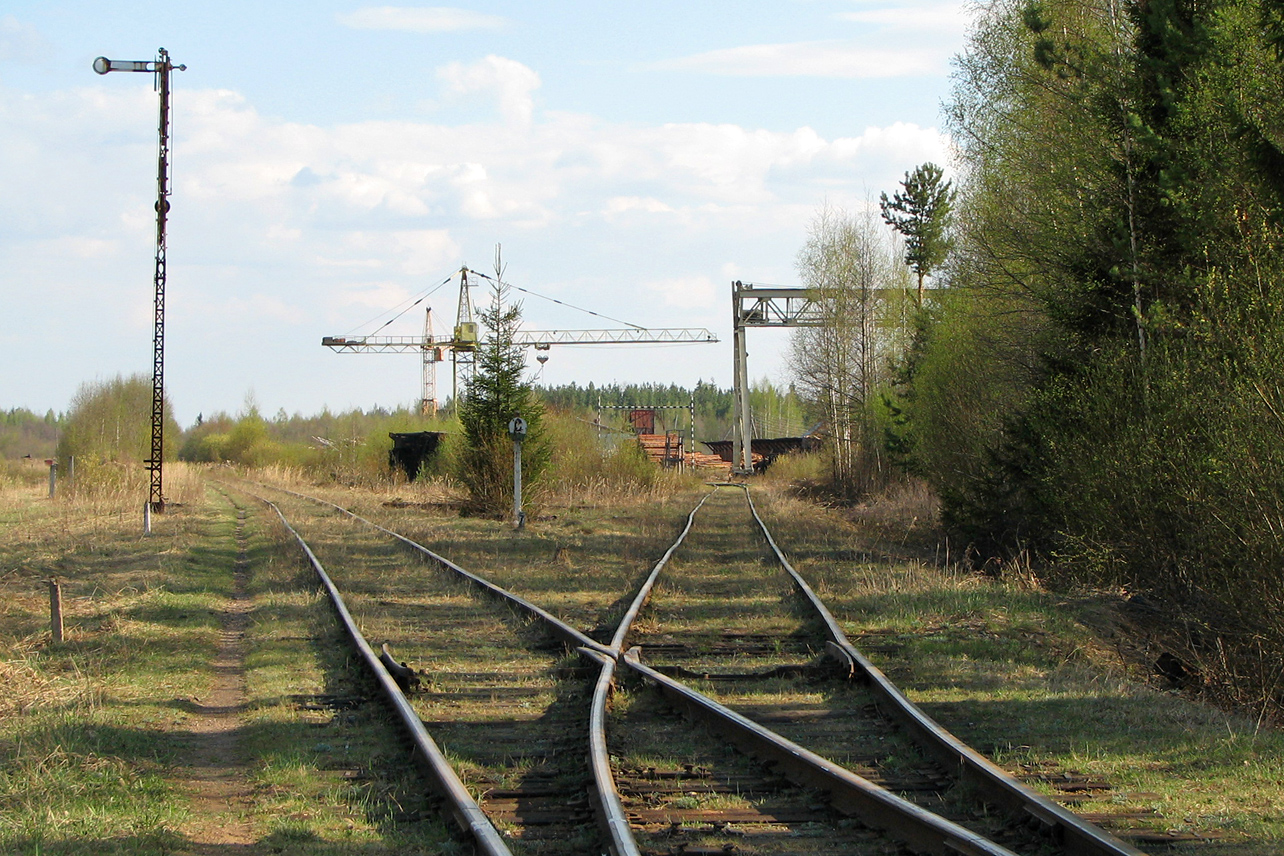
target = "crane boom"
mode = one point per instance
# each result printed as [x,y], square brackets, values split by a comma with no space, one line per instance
[655,336]
[462,345]
[402,344]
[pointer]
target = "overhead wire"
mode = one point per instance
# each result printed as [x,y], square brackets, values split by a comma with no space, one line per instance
[564,303]
[422,297]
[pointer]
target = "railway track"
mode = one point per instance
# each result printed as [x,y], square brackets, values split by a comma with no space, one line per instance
[498,746]
[766,665]
[833,760]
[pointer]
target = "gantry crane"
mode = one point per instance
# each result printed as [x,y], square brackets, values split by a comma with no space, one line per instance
[463,344]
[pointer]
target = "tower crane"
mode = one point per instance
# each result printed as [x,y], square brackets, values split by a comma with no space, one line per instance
[465,340]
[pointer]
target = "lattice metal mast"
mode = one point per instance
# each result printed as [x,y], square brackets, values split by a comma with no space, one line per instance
[161,68]
[431,353]
[463,349]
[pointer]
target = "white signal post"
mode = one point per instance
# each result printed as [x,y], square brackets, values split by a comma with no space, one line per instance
[517,430]
[161,68]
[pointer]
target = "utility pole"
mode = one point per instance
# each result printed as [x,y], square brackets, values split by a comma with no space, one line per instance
[161,68]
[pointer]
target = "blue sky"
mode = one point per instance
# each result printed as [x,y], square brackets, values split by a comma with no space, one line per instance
[332,160]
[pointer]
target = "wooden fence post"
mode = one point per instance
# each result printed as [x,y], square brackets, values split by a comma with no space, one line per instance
[55,609]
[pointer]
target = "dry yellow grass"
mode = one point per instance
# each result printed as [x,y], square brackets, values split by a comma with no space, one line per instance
[1005,664]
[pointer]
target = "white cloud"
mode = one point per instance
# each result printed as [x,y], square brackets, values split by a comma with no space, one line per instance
[419,19]
[211,308]
[509,82]
[424,252]
[624,204]
[831,58]
[306,229]
[83,247]
[21,42]
[369,295]
[691,292]
[903,141]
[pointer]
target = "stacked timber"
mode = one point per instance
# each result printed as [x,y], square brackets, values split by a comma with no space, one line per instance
[704,461]
[667,451]
[663,449]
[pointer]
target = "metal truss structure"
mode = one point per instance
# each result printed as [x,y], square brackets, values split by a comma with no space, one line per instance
[761,306]
[161,67]
[525,338]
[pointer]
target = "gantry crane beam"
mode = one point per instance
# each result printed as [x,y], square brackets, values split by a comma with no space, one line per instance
[761,306]
[776,306]
[768,306]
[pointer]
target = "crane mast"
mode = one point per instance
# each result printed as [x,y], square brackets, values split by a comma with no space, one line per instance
[463,348]
[428,369]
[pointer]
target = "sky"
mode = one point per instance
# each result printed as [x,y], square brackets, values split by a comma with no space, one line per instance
[333,161]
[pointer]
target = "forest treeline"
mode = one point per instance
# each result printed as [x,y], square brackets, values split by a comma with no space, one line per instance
[107,429]
[1093,377]
[108,420]
[777,412]
[27,434]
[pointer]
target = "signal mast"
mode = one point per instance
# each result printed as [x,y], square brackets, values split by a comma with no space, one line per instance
[161,68]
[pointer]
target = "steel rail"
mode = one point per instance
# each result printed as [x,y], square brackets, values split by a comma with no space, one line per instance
[644,592]
[568,635]
[1076,835]
[610,808]
[610,812]
[874,806]
[465,810]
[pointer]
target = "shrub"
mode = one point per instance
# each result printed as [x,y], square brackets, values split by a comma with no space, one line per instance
[108,431]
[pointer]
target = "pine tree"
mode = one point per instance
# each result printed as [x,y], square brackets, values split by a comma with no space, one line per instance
[921,212]
[496,394]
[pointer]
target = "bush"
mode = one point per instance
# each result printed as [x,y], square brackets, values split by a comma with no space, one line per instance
[1166,476]
[586,461]
[109,431]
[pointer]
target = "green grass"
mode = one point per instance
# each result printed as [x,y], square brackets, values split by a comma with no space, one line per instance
[90,728]
[93,731]
[1019,673]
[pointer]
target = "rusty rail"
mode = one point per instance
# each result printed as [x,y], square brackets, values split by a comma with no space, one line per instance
[873,805]
[463,808]
[1075,834]
[850,793]
[609,810]
[611,816]
[564,632]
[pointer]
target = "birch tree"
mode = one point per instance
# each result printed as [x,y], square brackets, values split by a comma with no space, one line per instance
[838,365]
